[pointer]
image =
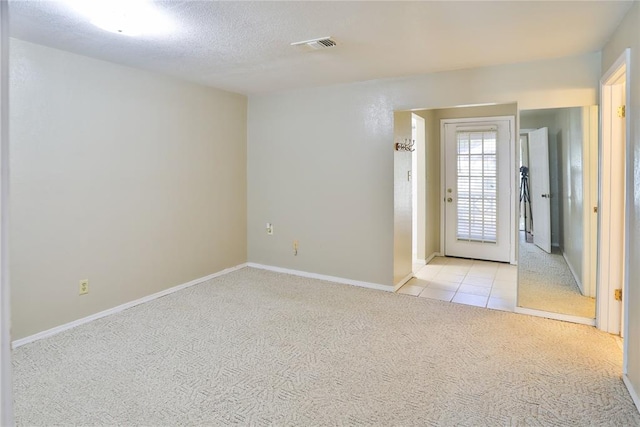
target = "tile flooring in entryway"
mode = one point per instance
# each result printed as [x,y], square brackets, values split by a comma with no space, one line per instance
[465,281]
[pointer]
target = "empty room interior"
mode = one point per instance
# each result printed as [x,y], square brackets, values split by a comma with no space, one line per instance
[320,213]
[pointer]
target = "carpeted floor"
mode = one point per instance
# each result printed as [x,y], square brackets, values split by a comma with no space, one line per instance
[261,348]
[546,283]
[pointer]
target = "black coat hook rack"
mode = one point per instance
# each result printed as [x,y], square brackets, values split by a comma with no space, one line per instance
[407,145]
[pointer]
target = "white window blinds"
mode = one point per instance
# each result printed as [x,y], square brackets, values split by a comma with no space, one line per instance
[477,186]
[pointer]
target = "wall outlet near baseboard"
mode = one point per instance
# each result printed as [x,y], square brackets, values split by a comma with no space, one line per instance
[83,287]
[269,229]
[295,248]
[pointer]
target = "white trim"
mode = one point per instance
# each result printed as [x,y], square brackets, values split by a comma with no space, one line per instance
[119,308]
[516,197]
[632,391]
[334,279]
[402,282]
[556,316]
[573,272]
[420,261]
[443,196]
[606,311]
[629,206]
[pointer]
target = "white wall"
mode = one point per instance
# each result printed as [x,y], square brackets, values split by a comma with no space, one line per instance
[627,35]
[571,140]
[402,201]
[432,183]
[320,160]
[6,398]
[132,180]
[431,159]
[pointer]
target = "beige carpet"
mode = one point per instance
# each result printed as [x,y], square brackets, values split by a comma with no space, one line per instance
[545,283]
[261,348]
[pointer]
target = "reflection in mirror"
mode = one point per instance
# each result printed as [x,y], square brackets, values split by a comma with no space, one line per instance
[558,177]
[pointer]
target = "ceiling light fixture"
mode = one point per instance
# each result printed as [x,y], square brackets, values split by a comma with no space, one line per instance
[126,17]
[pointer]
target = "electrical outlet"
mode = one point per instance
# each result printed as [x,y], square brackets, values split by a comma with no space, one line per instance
[83,287]
[295,247]
[269,229]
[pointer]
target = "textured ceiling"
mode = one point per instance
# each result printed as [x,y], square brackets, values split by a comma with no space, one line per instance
[245,46]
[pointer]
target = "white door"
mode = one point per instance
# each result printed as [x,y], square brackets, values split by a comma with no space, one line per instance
[539,188]
[477,192]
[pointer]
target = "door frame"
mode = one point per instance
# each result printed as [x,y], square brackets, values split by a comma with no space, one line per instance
[608,316]
[513,206]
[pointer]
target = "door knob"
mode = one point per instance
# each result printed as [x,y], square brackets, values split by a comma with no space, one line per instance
[546,196]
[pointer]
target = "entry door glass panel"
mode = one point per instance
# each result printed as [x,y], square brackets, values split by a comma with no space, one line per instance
[477,186]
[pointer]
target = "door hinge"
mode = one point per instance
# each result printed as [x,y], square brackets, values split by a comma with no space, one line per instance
[622,111]
[618,294]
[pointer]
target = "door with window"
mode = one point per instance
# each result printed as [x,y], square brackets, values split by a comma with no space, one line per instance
[477,188]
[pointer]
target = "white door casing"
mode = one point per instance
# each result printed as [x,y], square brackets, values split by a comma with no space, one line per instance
[613,229]
[539,188]
[477,198]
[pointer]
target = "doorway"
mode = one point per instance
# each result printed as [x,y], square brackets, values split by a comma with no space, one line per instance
[428,232]
[476,195]
[556,278]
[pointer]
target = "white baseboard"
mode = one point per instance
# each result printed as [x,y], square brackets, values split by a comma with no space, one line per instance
[431,257]
[403,281]
[335,279]
[556,316]
[119,308]
[573,272]
[632,391]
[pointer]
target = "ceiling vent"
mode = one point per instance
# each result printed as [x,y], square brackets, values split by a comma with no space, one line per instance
[315,44]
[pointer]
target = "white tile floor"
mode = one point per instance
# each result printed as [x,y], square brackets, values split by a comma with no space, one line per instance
[464,281]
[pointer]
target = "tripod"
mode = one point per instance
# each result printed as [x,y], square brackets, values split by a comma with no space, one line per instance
[524,197]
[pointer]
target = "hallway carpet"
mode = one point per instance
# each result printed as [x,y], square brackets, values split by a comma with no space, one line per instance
[261,348]
[545,283]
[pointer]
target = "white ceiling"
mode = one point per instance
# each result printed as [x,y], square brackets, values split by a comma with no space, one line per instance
[245,46]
